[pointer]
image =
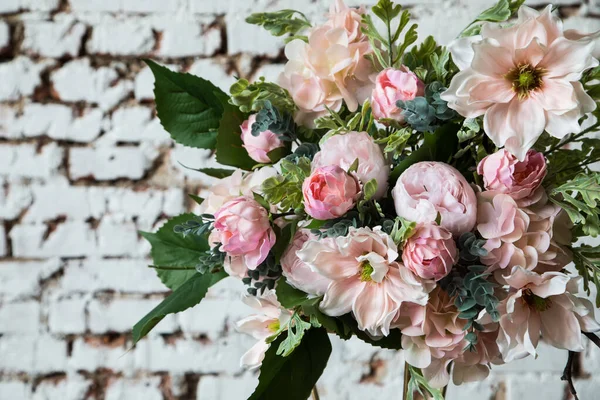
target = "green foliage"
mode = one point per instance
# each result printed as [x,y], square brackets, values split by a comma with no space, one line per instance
[263,277]
[395,143]
[370,189]
[293,377]
[337,227]
[431,62]
[400,229]
[468,283]
[218,173]
[469,130]
[285,190]
[189,107]
[425,114]
[196,226]
[281,22]
[387,11]
[295,328]
[229,141]
[185,296]
[565,164]
[438,146]
[587,262]
[305,150]
[580,198]
[170,249]
[251,97]
[418,384]
[288,296]
[269,118]
[499,12]
[211,261]
[335,124]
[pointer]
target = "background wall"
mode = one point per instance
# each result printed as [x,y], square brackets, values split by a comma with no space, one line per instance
[84,164]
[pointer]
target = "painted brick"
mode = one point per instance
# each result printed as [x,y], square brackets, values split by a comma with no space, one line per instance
[4,35]
[125,389]
[27,161]
[73,387]
[21,280]
[108,163]
[53,38]
[140,39]
[21,317]
[118,315]
[67,316]
[15,389]
[20,77]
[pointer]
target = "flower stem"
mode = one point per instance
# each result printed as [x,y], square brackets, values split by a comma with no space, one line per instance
[315,393]
[573,138]
[406,380]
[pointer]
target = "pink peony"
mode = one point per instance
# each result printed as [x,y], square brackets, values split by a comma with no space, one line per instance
[392,85]
[343,149]
[366,278]
[543,305]
[258,147]
[329,192]
[427,189]
[502,172]
[236,185]
[524,79]
[261,326]
[431,252]
[297,273]
[331,67]
[242,227]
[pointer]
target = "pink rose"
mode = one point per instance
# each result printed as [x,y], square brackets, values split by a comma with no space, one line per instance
[329,192]
[343,149]
[258,147]
[393,85]
[431,252]
[502,172]
[242,227]
[427,189]
[297,272]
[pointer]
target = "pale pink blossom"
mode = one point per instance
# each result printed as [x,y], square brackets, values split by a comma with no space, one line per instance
[258,147]
[243,229]
[344,149]
[366,278]
[331,67]
[428,189]
[542,305]
[504,173]
[524,79]
[391,86]
[299,274]
[521,236]
[329,192]
[236,185]
[271,318]
[440,339]
[430,252]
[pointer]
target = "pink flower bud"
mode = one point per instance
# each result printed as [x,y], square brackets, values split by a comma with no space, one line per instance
[393,85]
[258,147]
[431,252]
[329,192]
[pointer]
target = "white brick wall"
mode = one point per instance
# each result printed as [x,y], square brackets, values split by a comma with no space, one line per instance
[85,164]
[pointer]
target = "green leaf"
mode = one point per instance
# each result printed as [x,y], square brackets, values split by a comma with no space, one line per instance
[293,377]
[277,154]
[288,296]
[580,198]
[354,166]
[370,189]
[199,200]
[281,22]
[251,97]
[189,107]
[218,173]
[186,296]
[417,384]
[230,150]
[393,341]
[499,12]
[170,249]
[587,262]
[438,146]
[295,332]
[285,236]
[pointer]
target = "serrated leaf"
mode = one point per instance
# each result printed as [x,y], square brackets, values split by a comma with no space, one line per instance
[170,249]
[295,332]
[293,377]
[189,107]
[186,296]
[281,22]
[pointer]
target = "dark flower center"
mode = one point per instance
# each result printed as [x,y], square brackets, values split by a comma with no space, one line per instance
[525,79]
[535,302]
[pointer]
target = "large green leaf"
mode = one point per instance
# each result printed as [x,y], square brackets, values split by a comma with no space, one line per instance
[189,107]
[170,249]
[229,141]
[438,146]
[186,296]
[293,377]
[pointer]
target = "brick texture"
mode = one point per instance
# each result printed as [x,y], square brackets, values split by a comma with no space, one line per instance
[85,164]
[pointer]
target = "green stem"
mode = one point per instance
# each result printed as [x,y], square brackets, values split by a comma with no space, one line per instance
[390,44]
[573,138]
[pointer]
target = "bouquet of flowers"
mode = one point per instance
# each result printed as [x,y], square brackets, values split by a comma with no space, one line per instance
[422,198]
